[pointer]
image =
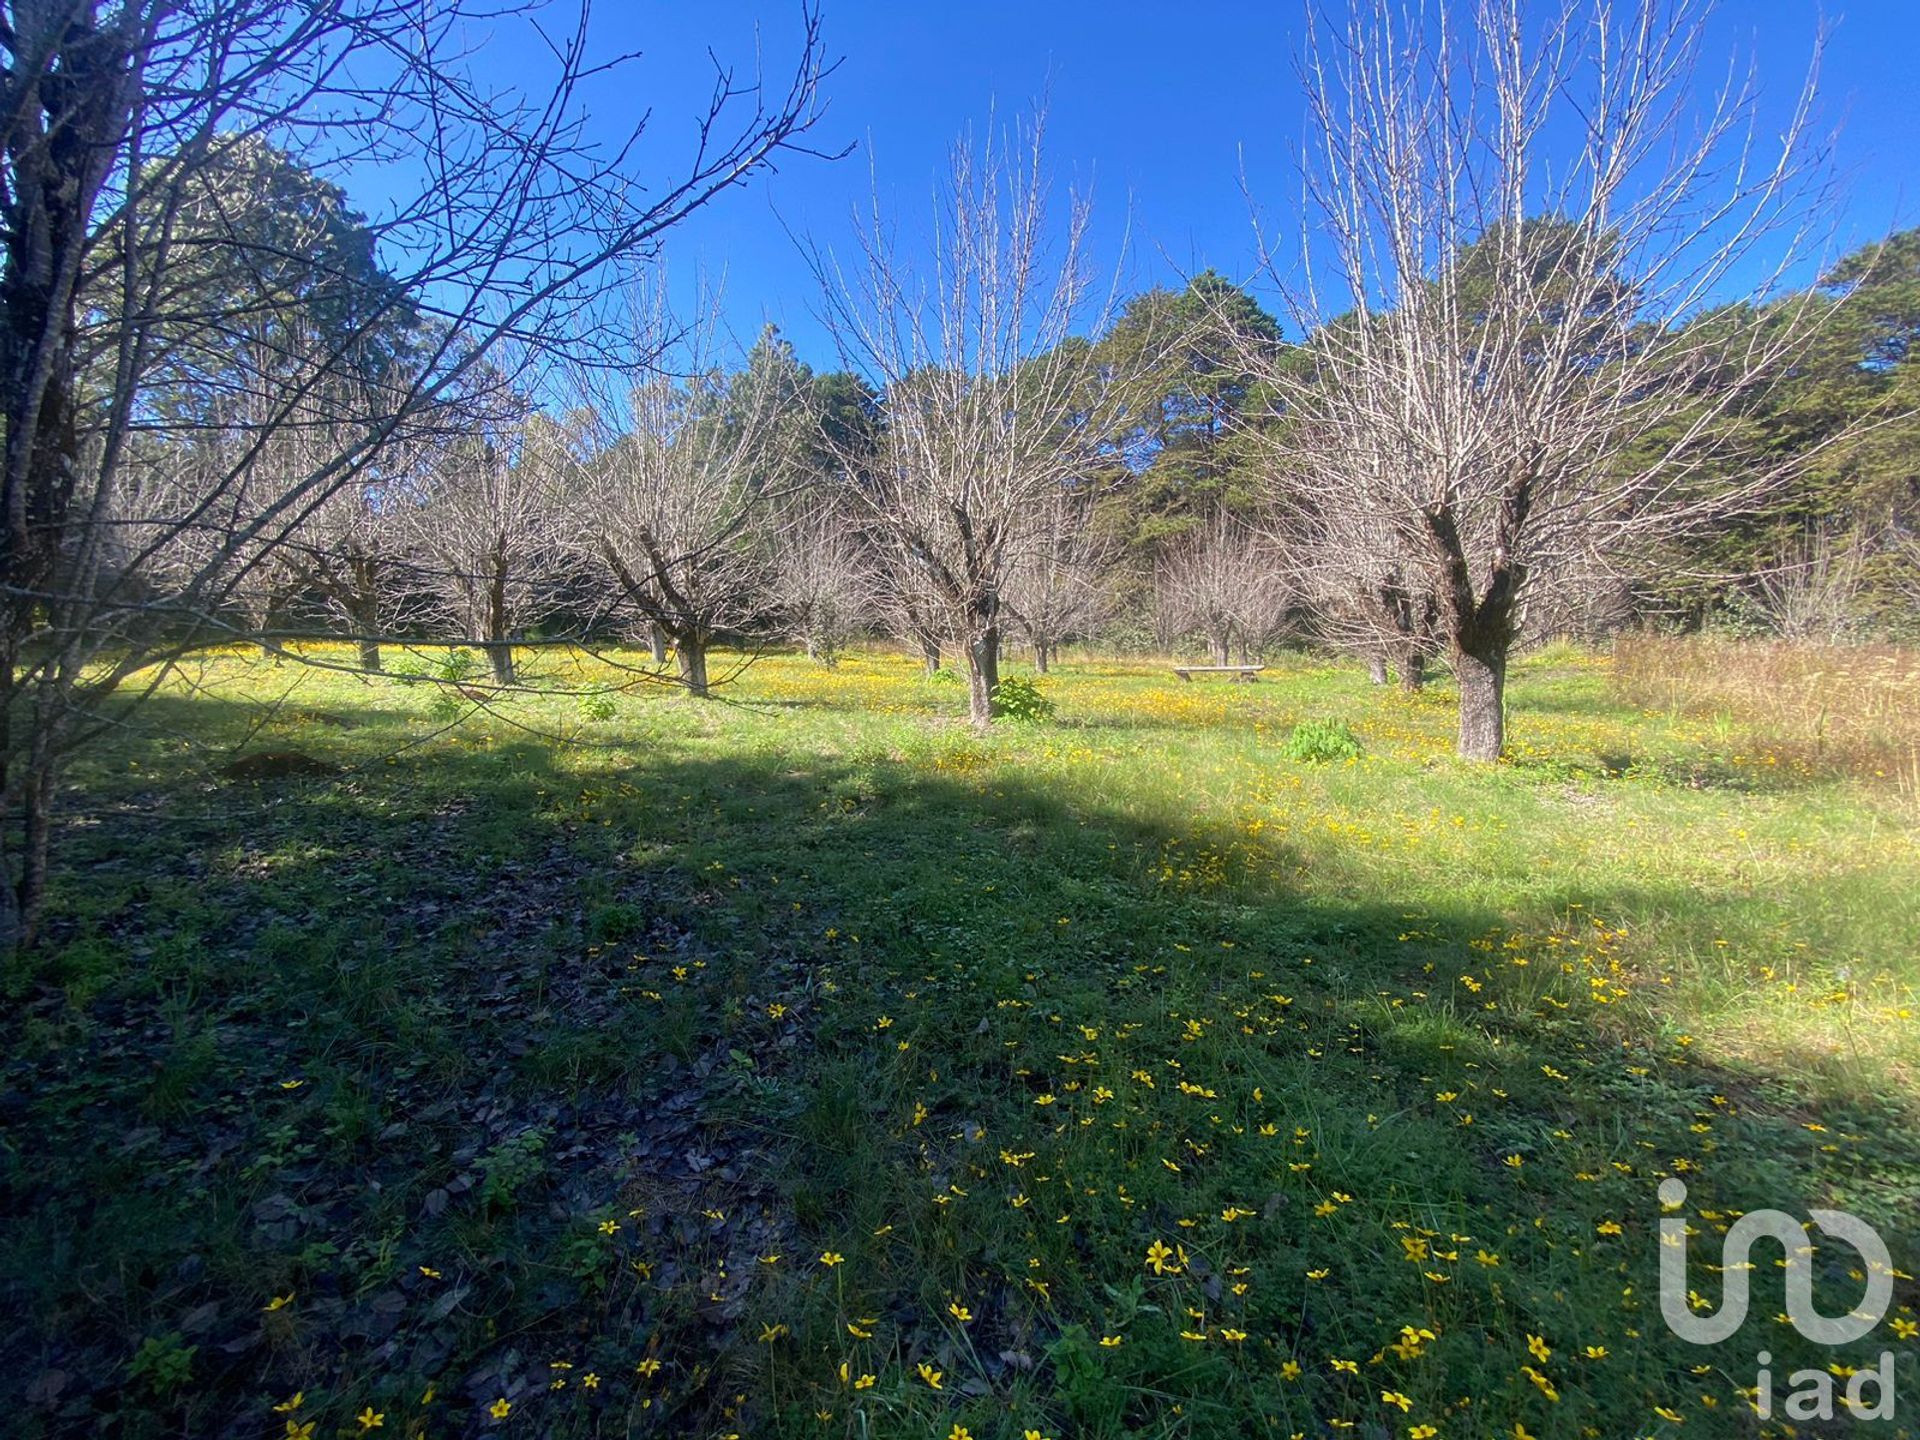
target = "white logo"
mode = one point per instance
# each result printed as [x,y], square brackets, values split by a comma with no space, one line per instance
[1677,1310]
[1812,1397]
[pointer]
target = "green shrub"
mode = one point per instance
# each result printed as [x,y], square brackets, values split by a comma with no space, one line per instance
[511,1165]
[610,924]
[164,1362]
[1019,699]
[1314,741]
[945,675]
[597,705]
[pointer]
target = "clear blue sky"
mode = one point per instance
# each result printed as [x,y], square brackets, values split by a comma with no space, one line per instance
[1151,104]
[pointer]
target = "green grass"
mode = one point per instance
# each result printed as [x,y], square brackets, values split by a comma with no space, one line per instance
[556,1043]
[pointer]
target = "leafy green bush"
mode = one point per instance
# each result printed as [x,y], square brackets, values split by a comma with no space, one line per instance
[511,1165]
[597,705]
[164,1362]
[611,923]
[1019,699]
[945,675]
[1315,741]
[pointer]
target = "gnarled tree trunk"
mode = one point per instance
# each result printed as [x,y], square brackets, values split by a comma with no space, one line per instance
[983,674]
[1480,627]
[692,650]
[1483,687]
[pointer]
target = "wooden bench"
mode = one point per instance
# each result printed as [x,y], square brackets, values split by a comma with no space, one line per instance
[1239,674]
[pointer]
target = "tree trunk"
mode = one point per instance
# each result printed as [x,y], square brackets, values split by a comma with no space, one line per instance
[693,665]
[71,88]
[364,613]
[499,646]
[500,660]
[1413,671]
[261,623]
[23,895]
[1377,668]
[11,930]
[657,639]
[362,603]
[929,653]
[1479,631]
[260,620]
[983,674]
[1221,645]
[1483,685]
[1042,656]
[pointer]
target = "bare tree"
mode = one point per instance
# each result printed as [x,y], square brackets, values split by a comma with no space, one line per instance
[353,554]
[1370,594]
[821,575]
[488,529]
[110,111]
[203,477]
[1518,218]
[346,547]
[1387,615]
[676,488]
[992,402]
[1812,589]
[1575,599]
[308,350]
[914,609]
[1228,584]
[1056,585]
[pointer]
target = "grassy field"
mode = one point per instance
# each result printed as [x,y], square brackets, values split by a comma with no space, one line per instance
[800,1064]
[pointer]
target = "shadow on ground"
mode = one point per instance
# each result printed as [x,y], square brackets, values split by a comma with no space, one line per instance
[404,1045]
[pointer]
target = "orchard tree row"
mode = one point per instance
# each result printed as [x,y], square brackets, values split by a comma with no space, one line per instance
[1535,353]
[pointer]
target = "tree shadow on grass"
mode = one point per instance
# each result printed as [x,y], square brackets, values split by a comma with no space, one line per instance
[404,1046]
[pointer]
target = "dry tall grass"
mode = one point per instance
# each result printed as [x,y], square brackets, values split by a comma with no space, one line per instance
[1831,709]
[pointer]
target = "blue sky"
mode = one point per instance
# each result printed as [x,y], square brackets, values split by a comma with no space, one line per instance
[1153,105]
